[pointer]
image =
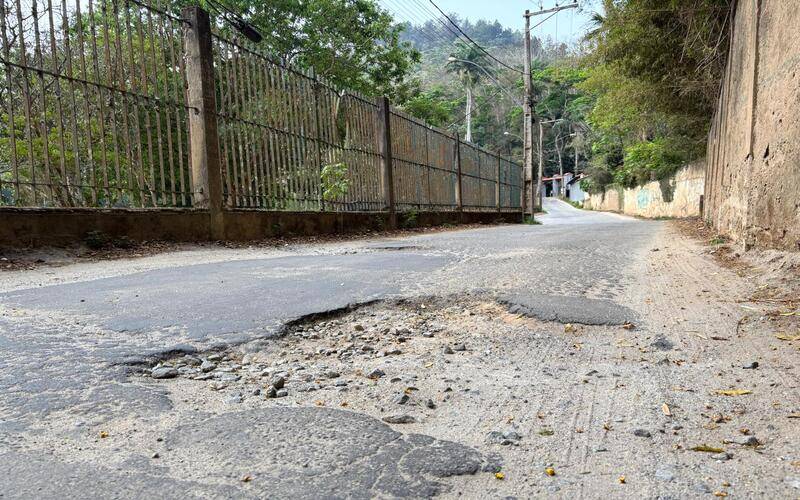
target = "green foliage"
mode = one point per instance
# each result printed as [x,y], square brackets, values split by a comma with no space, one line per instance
[653,77]
[334,181]
[410,219]
[576,204]
[530,220]
[354,44]
[560,101]
[432,106]
[647,161]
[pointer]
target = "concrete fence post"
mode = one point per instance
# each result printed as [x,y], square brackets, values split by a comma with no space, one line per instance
[457,163]
[497,186]
[385,138]
[206,163]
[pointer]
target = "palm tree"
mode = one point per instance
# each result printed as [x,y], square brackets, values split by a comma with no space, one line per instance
[468,63]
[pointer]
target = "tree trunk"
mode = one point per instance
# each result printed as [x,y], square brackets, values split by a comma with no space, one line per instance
[468,136]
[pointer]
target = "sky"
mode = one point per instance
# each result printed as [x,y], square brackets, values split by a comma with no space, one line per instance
[565,26]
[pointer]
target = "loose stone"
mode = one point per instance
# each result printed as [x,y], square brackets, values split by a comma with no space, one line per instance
[278,382]
[164,372]
[399,419]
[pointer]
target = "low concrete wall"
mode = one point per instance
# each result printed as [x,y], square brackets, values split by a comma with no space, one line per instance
[676,197]
[21,228]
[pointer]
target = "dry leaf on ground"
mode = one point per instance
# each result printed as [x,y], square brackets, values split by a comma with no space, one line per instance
[707,449]
[733,392]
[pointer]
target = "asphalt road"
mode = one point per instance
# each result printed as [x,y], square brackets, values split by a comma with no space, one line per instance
[68,353]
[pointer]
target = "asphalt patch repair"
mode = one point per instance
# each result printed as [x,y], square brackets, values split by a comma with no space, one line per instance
[565,309]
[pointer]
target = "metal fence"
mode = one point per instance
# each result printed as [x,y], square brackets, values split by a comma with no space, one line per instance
[94,114]
[93,106]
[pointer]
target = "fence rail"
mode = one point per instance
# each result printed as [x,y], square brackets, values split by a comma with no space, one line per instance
[95,113]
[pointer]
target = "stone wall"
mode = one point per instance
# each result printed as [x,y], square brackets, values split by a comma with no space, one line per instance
[753,179]
[676,197]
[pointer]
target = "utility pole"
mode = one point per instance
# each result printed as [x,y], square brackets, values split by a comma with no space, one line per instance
[530,117]
[528,198]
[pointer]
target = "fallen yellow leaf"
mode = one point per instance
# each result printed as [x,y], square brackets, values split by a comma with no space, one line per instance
[707,449]
[733,392]
[621,479]
[103,434]
[550,471]
[666,410]
[499,475]
[720,494]
[570,328]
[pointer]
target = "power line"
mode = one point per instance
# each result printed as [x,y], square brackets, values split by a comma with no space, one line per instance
[476,44]
[431,34]
[542,21]
[461,37]
[444,32]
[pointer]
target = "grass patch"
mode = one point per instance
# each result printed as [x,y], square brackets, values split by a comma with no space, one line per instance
[531,221]
[718,240]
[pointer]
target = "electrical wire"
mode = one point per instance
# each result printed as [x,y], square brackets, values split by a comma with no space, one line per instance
[444,33]
[491,56]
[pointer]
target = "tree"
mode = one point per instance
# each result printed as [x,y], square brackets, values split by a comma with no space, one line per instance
[654,74]
[468,62]
[354,44]
[432,106]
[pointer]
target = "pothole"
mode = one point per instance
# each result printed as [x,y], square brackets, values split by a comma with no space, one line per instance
[340,350]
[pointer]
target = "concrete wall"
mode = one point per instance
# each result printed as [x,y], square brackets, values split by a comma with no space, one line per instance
[20,228]
[576,193]
[753,180]
[677,197]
